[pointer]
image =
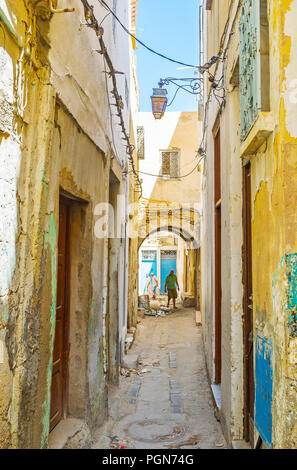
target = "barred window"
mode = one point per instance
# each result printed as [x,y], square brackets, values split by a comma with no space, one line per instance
[170,163]
[140,143]
[253,63]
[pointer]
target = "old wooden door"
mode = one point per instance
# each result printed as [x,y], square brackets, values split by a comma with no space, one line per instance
[218,258]
[60,353]
[248,307]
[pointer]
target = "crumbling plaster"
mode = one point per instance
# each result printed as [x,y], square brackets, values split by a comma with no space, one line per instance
[44,143]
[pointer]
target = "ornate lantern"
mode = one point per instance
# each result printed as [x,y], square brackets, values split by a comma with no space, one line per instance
[159,102]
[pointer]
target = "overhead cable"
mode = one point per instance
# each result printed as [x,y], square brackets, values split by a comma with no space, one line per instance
[142,43]
[174,177]
[92,22]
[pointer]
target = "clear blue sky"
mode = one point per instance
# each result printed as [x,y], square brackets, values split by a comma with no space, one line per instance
[172,28]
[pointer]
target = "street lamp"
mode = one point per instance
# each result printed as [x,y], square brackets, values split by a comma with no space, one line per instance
[159,98]
[159,102]
[192,85]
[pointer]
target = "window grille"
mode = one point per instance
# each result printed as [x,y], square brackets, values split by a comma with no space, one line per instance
[253,63]
[170,163]
[140,143]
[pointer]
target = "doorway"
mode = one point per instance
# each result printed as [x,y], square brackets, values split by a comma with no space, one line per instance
[249,392]
[168,263]
[59,386]
[218,258]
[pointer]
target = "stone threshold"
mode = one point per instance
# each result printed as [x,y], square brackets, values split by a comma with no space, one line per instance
[217,399]
[70,433]
[241,445]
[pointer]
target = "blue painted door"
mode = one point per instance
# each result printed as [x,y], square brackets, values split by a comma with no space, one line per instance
[168,262]
[148,266]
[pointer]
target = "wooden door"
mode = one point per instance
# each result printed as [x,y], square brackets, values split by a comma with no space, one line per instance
[218,258]
[61,347]
[249,391]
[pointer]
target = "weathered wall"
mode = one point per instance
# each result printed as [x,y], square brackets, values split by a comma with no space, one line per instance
[274,170]
[273,176]
[231,229]
[55,136]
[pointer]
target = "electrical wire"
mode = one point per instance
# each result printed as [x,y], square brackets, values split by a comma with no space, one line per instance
[221,53]
[110,112]
[104,18]
[174,177]
[142,43]
[92,22]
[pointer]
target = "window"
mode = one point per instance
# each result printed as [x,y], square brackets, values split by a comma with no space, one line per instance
[253,63]
[170,163]
[140,143]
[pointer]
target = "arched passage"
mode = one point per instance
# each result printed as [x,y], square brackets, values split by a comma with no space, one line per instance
[157,255]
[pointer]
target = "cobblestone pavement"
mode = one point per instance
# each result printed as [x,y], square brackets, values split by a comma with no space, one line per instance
[169,405]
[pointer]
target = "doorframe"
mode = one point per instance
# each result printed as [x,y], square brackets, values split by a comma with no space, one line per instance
[248,378]
[218,256]
[67,287]
[66,322]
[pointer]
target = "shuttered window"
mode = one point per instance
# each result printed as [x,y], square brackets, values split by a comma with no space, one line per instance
[253,63]
[170,163]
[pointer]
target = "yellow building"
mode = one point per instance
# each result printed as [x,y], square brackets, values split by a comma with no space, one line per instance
[171,182]
[249,240]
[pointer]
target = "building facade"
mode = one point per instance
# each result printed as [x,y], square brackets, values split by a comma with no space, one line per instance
[63,280]
[171,200]
[248,232]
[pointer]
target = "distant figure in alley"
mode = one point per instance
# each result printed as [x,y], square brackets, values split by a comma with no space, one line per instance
[171,281]
[148,290]
[151,286]
[155,285]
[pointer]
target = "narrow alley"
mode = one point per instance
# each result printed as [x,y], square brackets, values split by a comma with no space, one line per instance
[167,403]
[148,248]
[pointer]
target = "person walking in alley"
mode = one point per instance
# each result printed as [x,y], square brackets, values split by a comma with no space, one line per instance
[155,285]
[171,281]
[148,290]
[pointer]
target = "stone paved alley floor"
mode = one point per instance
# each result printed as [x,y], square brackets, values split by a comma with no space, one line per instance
[169,406]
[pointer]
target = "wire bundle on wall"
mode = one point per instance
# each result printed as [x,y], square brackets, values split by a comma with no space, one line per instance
[223,53]
[92,22]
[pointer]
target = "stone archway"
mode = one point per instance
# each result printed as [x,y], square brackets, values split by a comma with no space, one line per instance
[157,216]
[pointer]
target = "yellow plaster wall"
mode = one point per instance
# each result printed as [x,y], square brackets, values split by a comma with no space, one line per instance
[274,224]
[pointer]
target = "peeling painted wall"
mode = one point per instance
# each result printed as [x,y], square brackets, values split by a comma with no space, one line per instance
[274,187]
[55,135]
[274,220]
[231,231]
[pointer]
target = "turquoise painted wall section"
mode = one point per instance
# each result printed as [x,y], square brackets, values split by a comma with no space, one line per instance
[166,265]
[291,270]
[263,388]
[148,266]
